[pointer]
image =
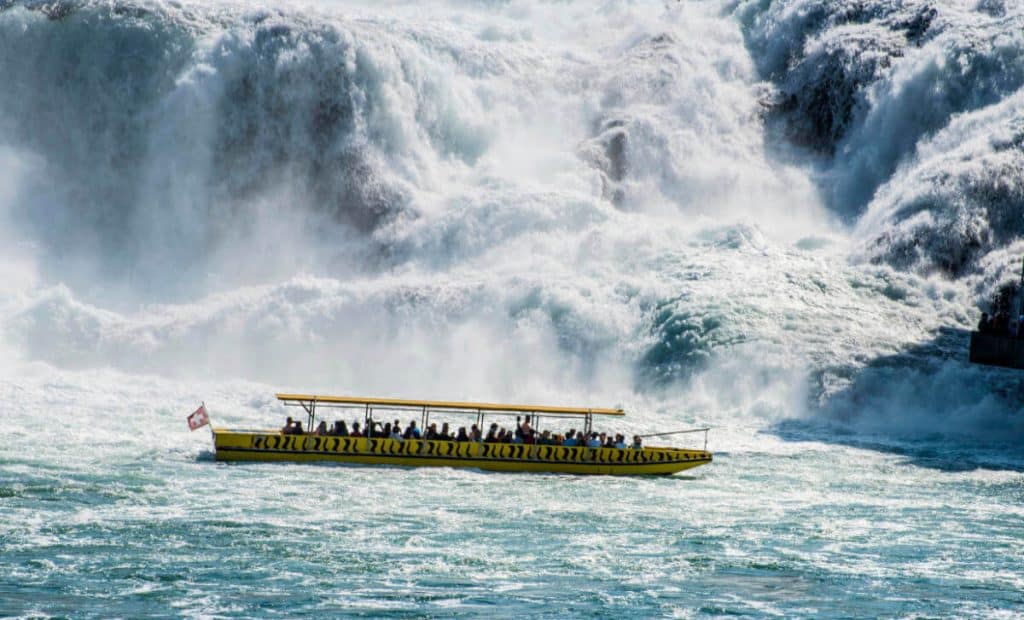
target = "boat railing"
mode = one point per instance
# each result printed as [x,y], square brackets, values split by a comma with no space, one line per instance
[685,431]
[705,430]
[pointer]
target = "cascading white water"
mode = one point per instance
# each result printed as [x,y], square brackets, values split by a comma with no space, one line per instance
[483,186]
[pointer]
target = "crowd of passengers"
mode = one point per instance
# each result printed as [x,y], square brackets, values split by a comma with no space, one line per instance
[523,434]
[1001,325]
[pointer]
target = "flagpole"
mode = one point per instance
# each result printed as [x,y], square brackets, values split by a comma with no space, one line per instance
[210,424]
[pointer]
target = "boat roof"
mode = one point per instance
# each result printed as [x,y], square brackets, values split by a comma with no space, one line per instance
[297,399]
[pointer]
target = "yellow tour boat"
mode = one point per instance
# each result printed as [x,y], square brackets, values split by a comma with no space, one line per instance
[275,445]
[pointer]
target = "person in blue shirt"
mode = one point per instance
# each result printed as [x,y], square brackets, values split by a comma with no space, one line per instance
[411,432]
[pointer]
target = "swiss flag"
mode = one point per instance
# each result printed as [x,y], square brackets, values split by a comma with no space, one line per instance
[198,418]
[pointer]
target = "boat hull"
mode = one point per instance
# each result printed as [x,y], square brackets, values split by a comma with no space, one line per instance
[271,446]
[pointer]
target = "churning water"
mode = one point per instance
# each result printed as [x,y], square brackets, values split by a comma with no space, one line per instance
[775,218]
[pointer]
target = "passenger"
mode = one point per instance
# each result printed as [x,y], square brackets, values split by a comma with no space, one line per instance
[445,435]
[431,433]
[321,428]
[355,430]
[492,434]
[396,433]
[1001,323]
[637,443]
[340,429]
[620,441]
[462,436]
[474,433]
[287,428]
[388,430]
[593,442]
[297,429]
[517,436]
[411,432]
[519,430]
[545,439]
[529,435]
[570,438]
[603,437]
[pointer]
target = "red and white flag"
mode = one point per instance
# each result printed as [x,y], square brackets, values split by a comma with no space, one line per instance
[198,418]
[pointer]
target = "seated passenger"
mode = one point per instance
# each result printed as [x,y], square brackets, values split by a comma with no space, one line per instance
[637,443]
[287,429]
[620,441]
[321,428]
[462,436]
[593,442]
[570,438]
[492,433]
[396,433]
[355,430]
[474,433]
[411,432]
[340,430]
[545,439]
[297,429]
[431,433]
[445,434]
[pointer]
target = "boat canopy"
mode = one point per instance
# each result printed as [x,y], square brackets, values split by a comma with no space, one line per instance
[307,401]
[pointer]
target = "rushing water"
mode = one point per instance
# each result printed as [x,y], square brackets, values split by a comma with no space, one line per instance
[778,219]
